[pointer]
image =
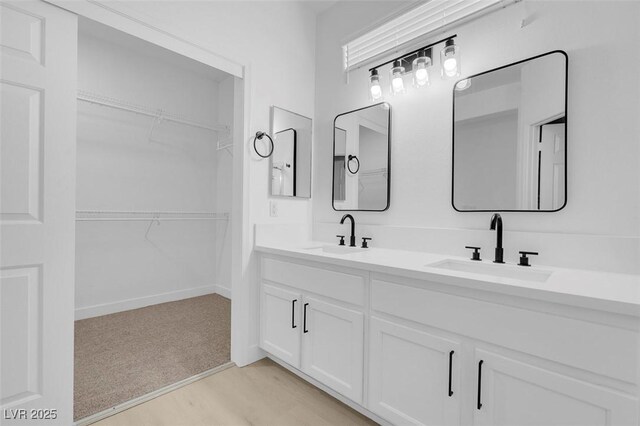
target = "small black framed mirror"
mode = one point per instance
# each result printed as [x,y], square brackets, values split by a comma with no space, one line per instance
[290,162]
[510,137]
[362,159]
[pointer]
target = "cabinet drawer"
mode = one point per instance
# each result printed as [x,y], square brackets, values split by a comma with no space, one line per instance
[598,348]
[330,283]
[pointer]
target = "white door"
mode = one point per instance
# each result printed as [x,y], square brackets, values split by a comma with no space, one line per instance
[414,377]
[552,167]
[333,346]
[513,392]
[280,325]
[37,209]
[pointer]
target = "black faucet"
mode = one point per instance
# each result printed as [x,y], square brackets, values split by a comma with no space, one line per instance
[352,240]
[496,220]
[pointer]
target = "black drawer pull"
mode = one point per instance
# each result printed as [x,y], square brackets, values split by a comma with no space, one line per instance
[293,313]
[304,319]
[450,368]
[480,384]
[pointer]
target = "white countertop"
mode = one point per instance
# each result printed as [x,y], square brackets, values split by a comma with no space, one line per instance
[618,293]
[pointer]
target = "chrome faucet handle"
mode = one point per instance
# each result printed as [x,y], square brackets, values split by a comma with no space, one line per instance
[524,260]
[341,243]
[476,252]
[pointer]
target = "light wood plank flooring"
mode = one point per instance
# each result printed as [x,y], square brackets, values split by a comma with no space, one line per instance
[262,393]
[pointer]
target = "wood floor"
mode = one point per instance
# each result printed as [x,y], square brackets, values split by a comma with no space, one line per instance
[262,393]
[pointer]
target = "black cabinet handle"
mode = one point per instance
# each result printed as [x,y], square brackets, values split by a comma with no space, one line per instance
[450,368]
[304,319]
[293,313]
[480,384]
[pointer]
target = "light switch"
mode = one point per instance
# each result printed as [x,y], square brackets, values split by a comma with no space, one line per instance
[273,209]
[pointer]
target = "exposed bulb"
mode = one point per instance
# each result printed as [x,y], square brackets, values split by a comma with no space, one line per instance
[376,91]
[397,82]
[421,76]
[450,67]
[421,68]
[450,60]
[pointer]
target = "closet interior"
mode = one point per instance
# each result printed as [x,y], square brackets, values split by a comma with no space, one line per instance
[153,232]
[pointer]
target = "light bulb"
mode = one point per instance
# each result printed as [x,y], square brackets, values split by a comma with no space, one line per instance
[374,85]
[376,91]
[397,82]
[420,68]
[450,60]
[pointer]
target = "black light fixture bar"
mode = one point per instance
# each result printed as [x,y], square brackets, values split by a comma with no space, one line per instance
[403,58]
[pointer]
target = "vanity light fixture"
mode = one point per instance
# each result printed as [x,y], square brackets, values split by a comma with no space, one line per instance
[450,60]
[397,81]
[418,63]
[421,68]
[374,85]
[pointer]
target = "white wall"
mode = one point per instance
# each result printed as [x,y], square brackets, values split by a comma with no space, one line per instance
[122,166]
[600,225]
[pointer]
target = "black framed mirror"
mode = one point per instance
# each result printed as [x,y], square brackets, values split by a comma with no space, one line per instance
[290,162]
[510,137]
[362,159]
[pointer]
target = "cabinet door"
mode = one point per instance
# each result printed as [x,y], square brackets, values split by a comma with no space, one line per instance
[512,392]
[333,346]
[414,377]
[280,323]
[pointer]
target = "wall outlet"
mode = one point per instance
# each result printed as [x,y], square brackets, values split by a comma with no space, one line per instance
[273,209]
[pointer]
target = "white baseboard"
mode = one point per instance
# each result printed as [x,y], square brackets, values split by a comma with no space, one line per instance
[141,302]
[224,291]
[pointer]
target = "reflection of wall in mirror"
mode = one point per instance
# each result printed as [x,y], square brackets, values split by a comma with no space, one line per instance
[485,162]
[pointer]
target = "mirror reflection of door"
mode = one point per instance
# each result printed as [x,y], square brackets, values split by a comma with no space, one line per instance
[339,165]
[283,164]
[551,166]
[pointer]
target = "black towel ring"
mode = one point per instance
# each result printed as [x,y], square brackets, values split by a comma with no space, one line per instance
[353,157]
[259,136]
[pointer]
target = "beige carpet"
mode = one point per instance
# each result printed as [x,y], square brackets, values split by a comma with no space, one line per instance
[122,356]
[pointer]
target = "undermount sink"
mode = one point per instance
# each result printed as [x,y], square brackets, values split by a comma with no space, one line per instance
[494,270]
[336,249]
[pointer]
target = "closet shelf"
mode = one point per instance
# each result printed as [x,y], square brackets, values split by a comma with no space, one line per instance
[112,215]
[374,172]
[158,113]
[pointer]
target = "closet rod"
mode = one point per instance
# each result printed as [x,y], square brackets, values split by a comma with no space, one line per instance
[112,215]
[158,113]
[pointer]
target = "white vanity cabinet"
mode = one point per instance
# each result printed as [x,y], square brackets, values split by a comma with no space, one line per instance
[313,319]
[414,377]
[513,392]
[417,351]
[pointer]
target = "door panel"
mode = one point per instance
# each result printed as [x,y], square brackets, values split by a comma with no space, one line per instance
[333,346]
[38,45]
[514,392]
[409,375]
[280,323]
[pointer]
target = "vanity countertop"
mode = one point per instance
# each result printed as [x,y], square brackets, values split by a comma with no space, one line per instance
[612,292]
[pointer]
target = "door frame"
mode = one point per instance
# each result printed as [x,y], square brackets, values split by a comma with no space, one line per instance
[121,17]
